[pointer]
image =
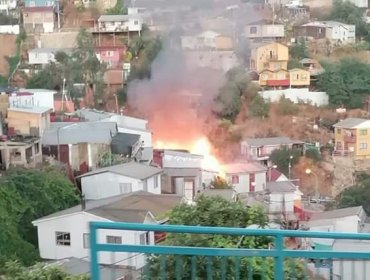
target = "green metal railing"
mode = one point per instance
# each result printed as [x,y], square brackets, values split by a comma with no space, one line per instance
[276,262]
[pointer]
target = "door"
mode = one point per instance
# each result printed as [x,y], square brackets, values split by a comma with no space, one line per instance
[189,189]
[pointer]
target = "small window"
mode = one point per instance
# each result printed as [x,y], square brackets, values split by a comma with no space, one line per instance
[253,30]
[363,132]
[125,187]
[114,239]
[363,146]
[86,240]
[156,181]
[144,238]
[235,179]
[63,238]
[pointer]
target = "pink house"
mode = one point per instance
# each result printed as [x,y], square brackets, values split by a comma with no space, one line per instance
[112,56]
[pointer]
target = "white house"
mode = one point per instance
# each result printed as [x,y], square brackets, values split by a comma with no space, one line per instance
[246,177]
[264,31]
[120,179]
[281,197]
[42,97]
[65,234]
[120,23]
[7,5]
[41,56]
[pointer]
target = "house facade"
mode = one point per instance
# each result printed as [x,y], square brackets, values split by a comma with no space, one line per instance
[121,179]
[119,23]
[208,40]
[41,56]
[28,121]
[113,56]
[39,19]
[260,31]
[335,31]
[41,97]
[352,136]
[65,234]
[246,177]
[272,56]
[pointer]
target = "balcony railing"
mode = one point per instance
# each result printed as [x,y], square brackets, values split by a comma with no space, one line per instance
[275,262]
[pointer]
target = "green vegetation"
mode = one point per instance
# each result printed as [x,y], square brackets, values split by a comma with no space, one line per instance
[313,154]
[299,50]
[237,87]
[357,195]
[281,158]
[286,107]
[26,195]
[346,82]
[259,107]
[220,213]
[118,9]
[14,270]
[82,66]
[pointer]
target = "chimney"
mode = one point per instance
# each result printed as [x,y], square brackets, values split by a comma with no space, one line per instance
[83,202]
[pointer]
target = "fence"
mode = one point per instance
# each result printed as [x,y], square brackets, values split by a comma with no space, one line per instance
[272,262]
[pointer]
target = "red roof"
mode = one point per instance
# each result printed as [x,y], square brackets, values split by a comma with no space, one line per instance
[276,83]
[38,9]
[275,174]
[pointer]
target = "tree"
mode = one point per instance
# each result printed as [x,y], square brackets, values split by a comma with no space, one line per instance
[259,107]
[14,270]
[118,9]
[286,107]
[346,83]
[214,212]
[229,99]
[26,195]
[313,154]
[299,50]
[281,157]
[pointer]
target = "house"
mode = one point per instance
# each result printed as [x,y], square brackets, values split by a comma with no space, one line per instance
[272,56]
[260,149]
[282,197]
[113,79]
[113,56]
[352,136]
[335,31]
[65,234]
[41,97]
[217,59]
[208,40]
[79,144]
[274,175]
[119,23]
[39,19]
[28,120]
[296,95]
[276,78]
[263,30]
[314,67]
[7,5]
[121,179]
[42,56]
[20,150]
[127,145]
[40,3]
[299,77]
[183,172]
[246,177]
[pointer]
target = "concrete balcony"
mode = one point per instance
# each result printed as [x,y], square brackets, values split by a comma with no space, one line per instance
[279,260]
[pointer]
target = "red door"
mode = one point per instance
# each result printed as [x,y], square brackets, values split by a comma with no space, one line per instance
[252,182]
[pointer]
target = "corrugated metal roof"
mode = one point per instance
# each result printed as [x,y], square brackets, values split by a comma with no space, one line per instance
[270,141]
[124,208]
[131,169]
[243,167]
[338,213]
[31,110]
[350,123]
[79,132]
[182,172]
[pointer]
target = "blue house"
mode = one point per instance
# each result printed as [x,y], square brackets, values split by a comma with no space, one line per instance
[40,3]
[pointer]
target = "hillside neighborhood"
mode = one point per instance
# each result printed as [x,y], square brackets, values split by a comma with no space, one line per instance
[219,113]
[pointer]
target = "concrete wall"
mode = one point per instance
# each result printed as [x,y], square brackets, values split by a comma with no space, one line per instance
[9,29]
[279,200]
[296,95]
[28,123]
[58,40]
[36,57]
[244,182]
[43,97]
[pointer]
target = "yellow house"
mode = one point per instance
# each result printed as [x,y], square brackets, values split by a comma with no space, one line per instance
[352,136]
[299,77]
[272,56]
[277,78]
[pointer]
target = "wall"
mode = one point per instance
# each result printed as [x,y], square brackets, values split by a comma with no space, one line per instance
[362,139]
[43,97]
[33,20]
[37,57]
[276,202]
[299,77]
[345,224]
[265,31]
[22,122]
[223,43]
[297,94]
[244,182]
[78,224]
[9,29]
[262,55]
[106,184]
[181,160]
[58,40]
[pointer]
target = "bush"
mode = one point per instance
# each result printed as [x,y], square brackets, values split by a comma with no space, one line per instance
[287,107]
[313,154]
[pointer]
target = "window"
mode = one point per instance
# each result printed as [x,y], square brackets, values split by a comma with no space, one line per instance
[253,30]
[136,22]
[125,187]
[114,239]
[86,240]
[144,238]
[63,238]
[156,178]
[363,146]
[109,53]
[363,132]
[235,179]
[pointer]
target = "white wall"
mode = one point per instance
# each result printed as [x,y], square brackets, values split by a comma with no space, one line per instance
[9,29]
[345,224]
[42,97]
[181,160]
[77,224]
[107,184]
[276,202]
[48,27]
[129,122]
[297,94]
[244,182]
[36,57]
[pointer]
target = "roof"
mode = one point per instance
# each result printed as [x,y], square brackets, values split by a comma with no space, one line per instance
[352,123]
[30,110]
[280,187]
[329,23]
[338,213]
[182,172]
[131,207]
[64,133]
[270,141]
[130,169]
[243,167]
[274,174]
